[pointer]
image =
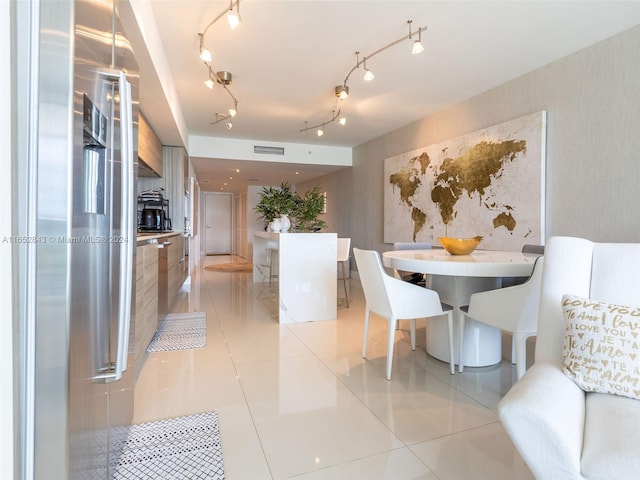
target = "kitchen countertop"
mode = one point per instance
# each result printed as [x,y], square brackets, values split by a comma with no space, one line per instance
[151,237]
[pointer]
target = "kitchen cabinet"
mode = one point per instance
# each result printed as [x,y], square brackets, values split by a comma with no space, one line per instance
[172,273]
[172,182]
[149,150]
[146,317]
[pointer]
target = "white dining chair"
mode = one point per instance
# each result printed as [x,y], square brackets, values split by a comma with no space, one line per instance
[344,245]
[534,249]
[512,309]
[394,299]
[530,249]
[420,279]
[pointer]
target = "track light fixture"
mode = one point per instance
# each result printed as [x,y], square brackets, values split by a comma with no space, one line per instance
[233,17]
[417,45]
[342,91]
[368,74]
[320,126]
[222,78]
[205,54]
[221,117]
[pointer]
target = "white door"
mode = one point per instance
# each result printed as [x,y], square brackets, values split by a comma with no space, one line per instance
[217,223]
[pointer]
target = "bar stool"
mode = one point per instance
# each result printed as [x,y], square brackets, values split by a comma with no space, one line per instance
[273,253]
[344,244]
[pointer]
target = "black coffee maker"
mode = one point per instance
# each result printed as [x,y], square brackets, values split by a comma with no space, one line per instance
[153,212]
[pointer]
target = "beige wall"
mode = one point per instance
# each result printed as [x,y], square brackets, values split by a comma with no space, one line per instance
[338,187]
[592,99]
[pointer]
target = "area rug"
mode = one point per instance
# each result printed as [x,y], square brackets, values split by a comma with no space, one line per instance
[180,331]
[246,267]
[177,448]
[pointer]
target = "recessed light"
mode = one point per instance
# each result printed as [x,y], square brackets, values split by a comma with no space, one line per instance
[237,170]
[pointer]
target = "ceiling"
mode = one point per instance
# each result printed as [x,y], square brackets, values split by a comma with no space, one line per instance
[287,56]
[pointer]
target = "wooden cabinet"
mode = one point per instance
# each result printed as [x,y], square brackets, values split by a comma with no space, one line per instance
[172,181]
[149,150]
[146,317]
[171,271]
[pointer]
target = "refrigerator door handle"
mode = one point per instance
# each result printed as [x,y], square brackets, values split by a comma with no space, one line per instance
[127,246]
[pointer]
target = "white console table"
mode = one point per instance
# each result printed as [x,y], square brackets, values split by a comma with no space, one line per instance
[306,267]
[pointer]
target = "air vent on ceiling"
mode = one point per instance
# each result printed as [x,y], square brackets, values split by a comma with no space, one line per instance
[268,150]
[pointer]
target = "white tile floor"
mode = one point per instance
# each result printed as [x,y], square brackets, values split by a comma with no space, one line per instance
[298,401]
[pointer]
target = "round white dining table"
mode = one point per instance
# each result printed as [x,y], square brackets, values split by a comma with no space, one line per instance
[455,278]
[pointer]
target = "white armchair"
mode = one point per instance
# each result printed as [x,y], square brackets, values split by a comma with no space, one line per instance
[561,431]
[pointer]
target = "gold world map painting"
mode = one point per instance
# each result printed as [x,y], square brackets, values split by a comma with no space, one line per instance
[489,183]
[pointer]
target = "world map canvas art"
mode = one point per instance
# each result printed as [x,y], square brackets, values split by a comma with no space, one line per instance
[489,182]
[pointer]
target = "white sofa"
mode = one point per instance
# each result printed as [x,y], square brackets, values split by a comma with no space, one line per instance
[561,431]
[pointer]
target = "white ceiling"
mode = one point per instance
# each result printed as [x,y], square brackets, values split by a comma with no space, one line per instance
[287,56]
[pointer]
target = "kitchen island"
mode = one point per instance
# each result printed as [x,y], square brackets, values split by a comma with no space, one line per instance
[301,267]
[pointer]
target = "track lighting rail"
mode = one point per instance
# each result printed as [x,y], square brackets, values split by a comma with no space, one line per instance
[222,78]
[380,50]
[342,91]
[232,4]
[320,126]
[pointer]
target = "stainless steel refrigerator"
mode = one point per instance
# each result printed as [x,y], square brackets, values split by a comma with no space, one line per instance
[78,261]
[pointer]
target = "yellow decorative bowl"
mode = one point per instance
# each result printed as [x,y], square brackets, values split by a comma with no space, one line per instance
[460,246]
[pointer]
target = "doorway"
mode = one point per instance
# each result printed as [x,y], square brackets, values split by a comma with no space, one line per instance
[218,225]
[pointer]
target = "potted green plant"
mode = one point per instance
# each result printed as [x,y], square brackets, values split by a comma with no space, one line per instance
[307,210]
[275,203]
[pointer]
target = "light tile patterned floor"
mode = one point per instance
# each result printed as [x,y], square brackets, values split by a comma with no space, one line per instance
[298,401]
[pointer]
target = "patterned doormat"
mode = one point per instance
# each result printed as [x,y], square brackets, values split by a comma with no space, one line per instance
[177,448]
[180,331]
[246,267]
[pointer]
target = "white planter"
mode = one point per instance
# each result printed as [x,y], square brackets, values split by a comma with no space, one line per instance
[276,225]
[285,223]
